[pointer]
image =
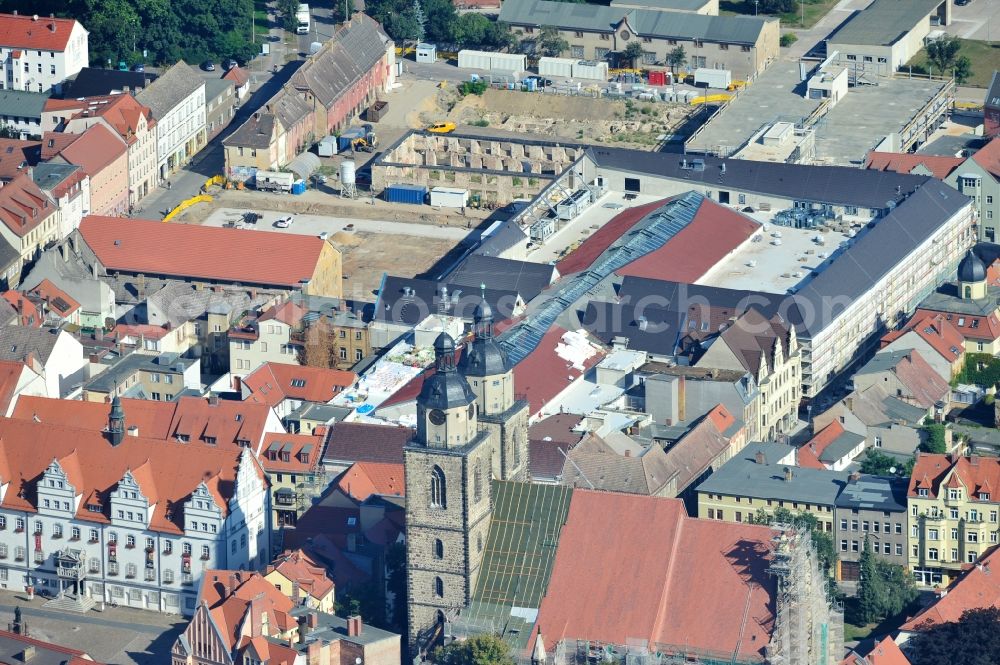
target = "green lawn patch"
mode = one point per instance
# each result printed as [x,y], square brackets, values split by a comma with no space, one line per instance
[810,11]
[985,57]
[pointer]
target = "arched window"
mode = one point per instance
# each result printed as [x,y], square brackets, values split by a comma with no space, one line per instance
[438,548]
[968,292]
[439,587]
[477,481]
[439,494]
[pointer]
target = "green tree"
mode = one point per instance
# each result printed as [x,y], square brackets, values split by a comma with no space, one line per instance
[942,53]
[933,438]
[420,20]
[7,132]
[900,588]
[550,42]
[963,69]
[677,58]
[633,53]
[877,463]
[478,650]
[778,6]
[871,589]
[395,565]
[286,9]
[972,640]
[470,29]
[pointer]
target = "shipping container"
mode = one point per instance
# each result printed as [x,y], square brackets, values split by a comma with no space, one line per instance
[415,194]
[657,78]
[327,146]
[592,70]
[713,78]
[273,181]
[449,197]
[556,67]
[426,53]
[348,136]
[469,59]
[376,110]
[508,62]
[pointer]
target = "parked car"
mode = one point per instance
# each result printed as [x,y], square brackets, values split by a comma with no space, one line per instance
[229,64]
[442,127]
[284,222]
[208,66]
[139,68]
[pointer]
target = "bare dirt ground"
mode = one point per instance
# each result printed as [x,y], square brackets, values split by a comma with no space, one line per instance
[367,255]
[579,118]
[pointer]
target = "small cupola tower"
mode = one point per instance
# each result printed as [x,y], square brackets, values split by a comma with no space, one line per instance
[116,421]
[971,277]
[446,409]
[486,366]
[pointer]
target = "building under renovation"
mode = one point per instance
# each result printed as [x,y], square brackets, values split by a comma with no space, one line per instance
[672,589]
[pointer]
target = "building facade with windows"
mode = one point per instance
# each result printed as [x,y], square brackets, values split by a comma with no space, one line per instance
[38,53]
[177,100]
[979,179]
[954,515]
[296,474]
[115,517]
[745,45]
[873,508]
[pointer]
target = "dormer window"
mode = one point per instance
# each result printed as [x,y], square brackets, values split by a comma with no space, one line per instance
[954,494]
[984,496]
[922,491]
[210,440]
[183,438]
[298,383]
[304,457]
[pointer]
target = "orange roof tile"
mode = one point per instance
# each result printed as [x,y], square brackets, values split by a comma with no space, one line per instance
[58,300]
[808,455]
[15,155]
[191,416]
[55,142]
[581,257]
[715,571]
[237,75]
[936,330]
[76,656]
[271,383]
[939,166]
[363,479]
[229,596]
[978,588]
[971,472]
[299,567]
[95,467]
[10,376]
[153,248]
[543,374]
[23,206]
[288,312]
[721,418]
[989,157]
[27,313]
[886,652]
[95,150]
[295,445]
[46,34]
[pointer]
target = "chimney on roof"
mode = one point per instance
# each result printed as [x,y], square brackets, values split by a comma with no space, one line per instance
[788,474]
[52,26]
[213,400]
[353,625]
[28,653]
[759,457]
[855,476]
[133,430]
[313,619]
[628,453]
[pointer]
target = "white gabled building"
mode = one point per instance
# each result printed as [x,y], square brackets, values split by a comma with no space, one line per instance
[38,53]
[177,100]
[112,516]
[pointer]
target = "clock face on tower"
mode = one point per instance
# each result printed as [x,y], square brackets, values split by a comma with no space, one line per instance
[437,417]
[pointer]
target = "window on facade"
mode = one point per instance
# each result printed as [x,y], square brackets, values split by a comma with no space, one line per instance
[206,553]
[932,534]
[843,545]
[93,535]
[74,533]
[57,531]
[439,492]
[439,587]
[38,528]
[922,491]
[438,548]
[932,553]
[955,493]
[129,541]
[477,486]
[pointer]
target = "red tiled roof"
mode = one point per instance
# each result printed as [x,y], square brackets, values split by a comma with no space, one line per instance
[297,566]
[23,206]
[45,34]
[712,235]
[975,473]
[272,383]
[808,455]
[671,579]
[542,375]
[231,421]
[973,327]
[27,313]
[55,142]
[237,75]
[581,258]
[122,112]
[939,166]
[988,157]
[95,150]
[364,479]
[230,595]
[928,387]
[978,588]
[10,375]
[167,472]
[936,330]
[187,250]
[721,418]
[885,652]
[57,300]
[293,444]
[15,154]
[76,656]
[288,312]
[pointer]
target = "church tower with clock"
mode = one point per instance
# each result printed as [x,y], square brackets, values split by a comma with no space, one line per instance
[470,430]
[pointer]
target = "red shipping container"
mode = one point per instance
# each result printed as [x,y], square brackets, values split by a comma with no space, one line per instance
[657,78]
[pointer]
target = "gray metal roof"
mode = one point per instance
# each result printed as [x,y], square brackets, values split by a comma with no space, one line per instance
[993,94]
[676,5]
[645,22]
[173,87]
[93,81]
[22,104]
[874,493]
[48,175]
[527,279]
[216,88]
[507,236]
[883,22]
[134,362]
[744,476]
[840,446]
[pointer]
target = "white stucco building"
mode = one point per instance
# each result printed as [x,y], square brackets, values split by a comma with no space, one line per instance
[177,100]
[38,53]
